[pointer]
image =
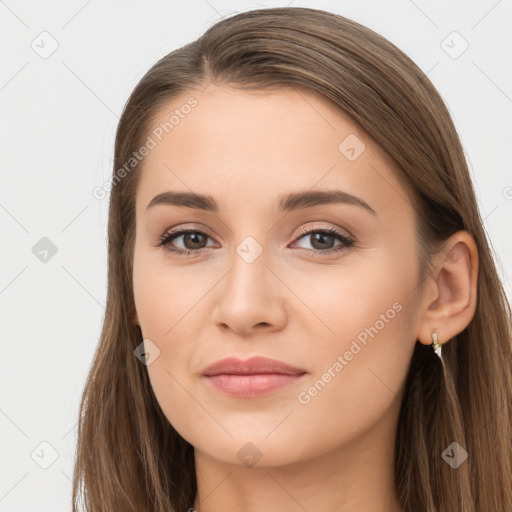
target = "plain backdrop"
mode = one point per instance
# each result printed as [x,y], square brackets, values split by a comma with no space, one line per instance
[67,68]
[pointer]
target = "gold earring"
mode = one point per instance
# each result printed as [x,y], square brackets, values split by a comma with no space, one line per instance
[436,346]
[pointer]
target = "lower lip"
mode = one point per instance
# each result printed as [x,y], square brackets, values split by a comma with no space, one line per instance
[248,386]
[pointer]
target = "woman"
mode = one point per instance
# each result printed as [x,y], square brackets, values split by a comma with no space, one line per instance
[303,311]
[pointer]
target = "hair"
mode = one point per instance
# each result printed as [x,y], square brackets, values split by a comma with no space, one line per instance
[122,431]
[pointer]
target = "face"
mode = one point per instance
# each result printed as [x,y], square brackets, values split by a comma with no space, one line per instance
[327,287]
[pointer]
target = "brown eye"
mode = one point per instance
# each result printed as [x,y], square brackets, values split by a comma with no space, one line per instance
[193,241]
[322,241]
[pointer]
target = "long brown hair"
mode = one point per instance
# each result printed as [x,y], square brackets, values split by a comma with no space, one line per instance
[129,457]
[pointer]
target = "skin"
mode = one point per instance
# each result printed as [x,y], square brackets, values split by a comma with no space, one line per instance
[245,149]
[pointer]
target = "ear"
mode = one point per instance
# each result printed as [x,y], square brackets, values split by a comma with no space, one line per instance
[449,301]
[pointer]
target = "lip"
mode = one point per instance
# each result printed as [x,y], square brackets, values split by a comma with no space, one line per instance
[253,377]
[252,366]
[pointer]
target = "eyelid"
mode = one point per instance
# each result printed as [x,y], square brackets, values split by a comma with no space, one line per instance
[188,227]
[308,228]
[200,227]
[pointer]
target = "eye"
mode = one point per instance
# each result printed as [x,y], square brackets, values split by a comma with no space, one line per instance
[194,241]
[322,239]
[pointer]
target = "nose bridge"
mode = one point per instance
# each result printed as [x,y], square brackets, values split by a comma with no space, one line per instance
[248,296]
[251,249]
[249,271]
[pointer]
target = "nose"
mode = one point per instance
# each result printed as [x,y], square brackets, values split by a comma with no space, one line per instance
[251,298]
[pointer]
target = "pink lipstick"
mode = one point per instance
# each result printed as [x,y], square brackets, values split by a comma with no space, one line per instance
[253,377]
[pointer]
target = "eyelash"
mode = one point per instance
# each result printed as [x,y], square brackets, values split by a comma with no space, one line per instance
[166,238]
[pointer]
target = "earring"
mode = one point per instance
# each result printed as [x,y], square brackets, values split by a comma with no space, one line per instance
[436,346]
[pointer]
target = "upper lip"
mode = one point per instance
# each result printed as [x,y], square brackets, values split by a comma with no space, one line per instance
[252,366]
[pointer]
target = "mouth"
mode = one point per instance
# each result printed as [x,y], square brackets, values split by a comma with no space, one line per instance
[250,386]
[254,377]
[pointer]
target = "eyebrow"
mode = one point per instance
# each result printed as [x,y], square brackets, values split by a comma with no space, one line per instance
[290,202]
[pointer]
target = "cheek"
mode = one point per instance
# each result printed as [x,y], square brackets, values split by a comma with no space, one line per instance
[348,299]
[162,292]
[358,377]
[364,338]
[167,300]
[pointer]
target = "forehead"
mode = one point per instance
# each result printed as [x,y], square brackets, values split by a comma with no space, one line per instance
[251,146]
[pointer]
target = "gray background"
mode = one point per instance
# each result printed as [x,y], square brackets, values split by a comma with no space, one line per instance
[58,118]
